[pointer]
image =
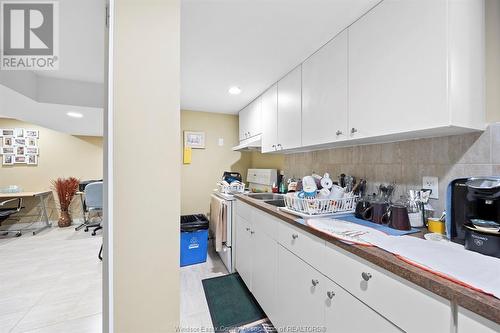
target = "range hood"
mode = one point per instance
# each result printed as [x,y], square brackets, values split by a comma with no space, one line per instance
[251,144]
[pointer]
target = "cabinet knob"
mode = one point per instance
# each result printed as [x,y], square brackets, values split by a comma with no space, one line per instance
[252,232]
[353,130]
[366,276]
[330,294]
[295,236]
[314,282]
[339,132]
[247,229]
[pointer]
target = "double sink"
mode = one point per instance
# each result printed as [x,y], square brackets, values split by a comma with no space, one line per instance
[269,198]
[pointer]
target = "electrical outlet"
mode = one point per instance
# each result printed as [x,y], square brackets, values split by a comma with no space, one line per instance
[431,183]
[221,142]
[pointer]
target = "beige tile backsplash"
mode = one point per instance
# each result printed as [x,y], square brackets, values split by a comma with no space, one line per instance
[406,162]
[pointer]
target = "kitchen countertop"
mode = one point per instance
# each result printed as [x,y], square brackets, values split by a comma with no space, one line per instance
[482,304]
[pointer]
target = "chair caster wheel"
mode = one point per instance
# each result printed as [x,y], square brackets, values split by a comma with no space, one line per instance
[18,234]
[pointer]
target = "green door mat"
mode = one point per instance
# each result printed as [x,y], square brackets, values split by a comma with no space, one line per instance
[230,302]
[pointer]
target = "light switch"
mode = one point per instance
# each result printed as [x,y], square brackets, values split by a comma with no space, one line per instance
[221,142]
[431,183]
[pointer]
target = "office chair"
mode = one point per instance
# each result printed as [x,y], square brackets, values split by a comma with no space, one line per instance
[93,203]
[5,213]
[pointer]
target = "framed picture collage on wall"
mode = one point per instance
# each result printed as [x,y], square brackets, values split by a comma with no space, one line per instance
[19,146]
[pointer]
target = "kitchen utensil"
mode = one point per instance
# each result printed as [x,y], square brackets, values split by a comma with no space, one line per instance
[342,180]
[336,192]
[436,225]
[363,210]
[397,217]
[326,181]
[379,210]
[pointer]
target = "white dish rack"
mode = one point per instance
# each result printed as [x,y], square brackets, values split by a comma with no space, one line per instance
[235,187]
[320,207]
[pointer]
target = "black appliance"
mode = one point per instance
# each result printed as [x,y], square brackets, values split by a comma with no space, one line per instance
[473,217]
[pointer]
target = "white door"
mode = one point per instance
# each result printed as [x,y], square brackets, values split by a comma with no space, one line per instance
[324,94]
[398,68]
[346,314]
[243,247]
[244,120]
[255,117]
[289,110]
[264,271]
[300,301]
[270,119]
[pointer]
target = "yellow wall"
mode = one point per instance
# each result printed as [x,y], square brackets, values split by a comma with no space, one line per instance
[145,171]
[492,60]
[61,155]
[267,161]
[198,179]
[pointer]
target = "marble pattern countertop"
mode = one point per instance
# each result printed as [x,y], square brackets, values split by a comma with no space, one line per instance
[482,304]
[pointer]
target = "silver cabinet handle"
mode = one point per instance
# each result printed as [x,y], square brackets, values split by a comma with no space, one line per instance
[252,232]
[314,282]
[247,229]
[339,132]
[295,236]
[366,276]
[353,130]
[330,294]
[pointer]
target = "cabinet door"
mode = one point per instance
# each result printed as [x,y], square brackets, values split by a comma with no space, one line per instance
[470,322]
[264,271]
[324,94]
[244,120]
[270,119]
[398,68]
[255,117]
[289,110]
[300,303]
[244,250]
[343,313]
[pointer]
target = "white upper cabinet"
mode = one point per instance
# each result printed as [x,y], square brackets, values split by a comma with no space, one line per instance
[416,65]
[270,119]
[325,94]
[250,120]
[290,110]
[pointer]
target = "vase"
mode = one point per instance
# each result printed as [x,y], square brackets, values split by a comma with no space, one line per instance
[64,219]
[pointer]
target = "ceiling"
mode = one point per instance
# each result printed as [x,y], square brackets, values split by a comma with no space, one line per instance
[251,44]
[81,41]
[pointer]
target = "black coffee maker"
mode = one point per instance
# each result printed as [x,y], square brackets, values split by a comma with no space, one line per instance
[473,217]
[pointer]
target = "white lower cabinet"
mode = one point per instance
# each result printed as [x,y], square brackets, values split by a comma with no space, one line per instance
[299,294]
[244,250]
[468,322]
[346,314]
[309,302]
[264,271]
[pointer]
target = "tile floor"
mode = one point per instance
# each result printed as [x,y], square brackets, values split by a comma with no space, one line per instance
[51,282]
[194,308]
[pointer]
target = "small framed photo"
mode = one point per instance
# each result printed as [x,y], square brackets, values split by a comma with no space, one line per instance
[195,140]
[8,151]
[7,132]
[31,150]
[18,132]
[20,150]
[7,141]
[19,141]
[31,142]
[31,159]
[8,160]
[31,133]
[20,159]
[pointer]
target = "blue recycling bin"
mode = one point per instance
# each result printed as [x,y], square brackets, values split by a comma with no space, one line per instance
[194,239]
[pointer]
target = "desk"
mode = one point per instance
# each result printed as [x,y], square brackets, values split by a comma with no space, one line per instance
[41,197]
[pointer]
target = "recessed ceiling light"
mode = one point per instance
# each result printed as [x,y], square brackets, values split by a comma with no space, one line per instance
[234,91]
[74,114]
